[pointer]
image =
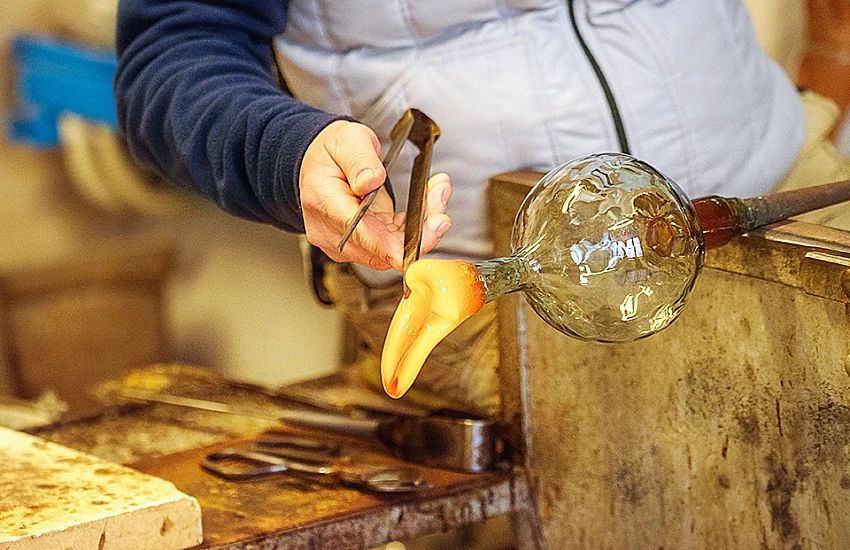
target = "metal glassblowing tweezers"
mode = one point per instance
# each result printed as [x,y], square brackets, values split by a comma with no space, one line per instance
[420,130]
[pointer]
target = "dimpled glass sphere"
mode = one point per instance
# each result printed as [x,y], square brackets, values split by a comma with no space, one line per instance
[611,248]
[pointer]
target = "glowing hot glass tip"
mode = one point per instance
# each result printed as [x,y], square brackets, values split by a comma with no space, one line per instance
[442,295]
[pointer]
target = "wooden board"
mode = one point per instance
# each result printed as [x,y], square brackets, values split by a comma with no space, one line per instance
[57,498]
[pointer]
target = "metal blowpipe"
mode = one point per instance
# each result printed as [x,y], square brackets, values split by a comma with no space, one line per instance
[724,218]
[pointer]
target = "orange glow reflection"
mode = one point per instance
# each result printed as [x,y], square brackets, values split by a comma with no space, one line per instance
[442,295]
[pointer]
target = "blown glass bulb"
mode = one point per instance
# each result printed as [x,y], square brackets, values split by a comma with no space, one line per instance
[608,247]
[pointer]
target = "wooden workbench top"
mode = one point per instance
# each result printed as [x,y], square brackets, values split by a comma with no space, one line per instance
[292,513]
[276,512]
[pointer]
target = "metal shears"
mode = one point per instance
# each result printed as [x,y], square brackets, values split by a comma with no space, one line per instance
[306,458]
[419,129]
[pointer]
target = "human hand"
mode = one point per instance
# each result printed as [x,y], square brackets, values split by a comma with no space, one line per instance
[342,165]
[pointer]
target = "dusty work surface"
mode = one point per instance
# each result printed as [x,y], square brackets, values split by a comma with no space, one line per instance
[55,497]
[169,441]
[289,512]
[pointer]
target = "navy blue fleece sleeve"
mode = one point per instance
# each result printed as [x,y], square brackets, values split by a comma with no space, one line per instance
[198,102]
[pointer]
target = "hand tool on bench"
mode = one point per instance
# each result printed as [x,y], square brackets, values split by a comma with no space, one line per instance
[444,439]
[309,458]
[296,447]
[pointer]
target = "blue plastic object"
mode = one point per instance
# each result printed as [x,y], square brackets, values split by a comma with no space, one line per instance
[54,77]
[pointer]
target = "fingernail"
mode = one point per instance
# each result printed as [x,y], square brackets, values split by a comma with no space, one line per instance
[447,192]
[442,228]
[363,177]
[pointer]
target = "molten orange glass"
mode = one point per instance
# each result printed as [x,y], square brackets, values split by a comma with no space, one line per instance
[442,294]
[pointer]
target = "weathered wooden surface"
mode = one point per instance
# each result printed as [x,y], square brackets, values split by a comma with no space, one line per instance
[729,429]
[272,513]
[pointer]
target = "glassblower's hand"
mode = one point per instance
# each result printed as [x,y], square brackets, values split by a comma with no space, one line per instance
[343,164]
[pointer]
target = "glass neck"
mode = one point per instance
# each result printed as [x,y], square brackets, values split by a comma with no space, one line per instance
[502,276]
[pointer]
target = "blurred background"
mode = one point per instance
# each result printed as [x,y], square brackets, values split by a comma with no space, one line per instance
[103,267]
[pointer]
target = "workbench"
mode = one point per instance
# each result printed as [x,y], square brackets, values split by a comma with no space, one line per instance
[273,512]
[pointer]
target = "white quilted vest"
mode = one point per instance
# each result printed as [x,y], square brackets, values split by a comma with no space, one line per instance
[510,88]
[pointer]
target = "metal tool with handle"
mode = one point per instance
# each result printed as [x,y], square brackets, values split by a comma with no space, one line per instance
[416,127]
[244,464]
[398,135]
[423,134]
[296,447]
[444,439]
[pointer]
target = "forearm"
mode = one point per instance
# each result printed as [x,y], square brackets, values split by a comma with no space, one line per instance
[197,101]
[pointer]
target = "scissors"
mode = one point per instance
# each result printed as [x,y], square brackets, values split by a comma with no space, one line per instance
[417,127]
[270,455]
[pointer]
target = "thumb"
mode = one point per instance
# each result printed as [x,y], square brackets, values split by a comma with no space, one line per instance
[357,153]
